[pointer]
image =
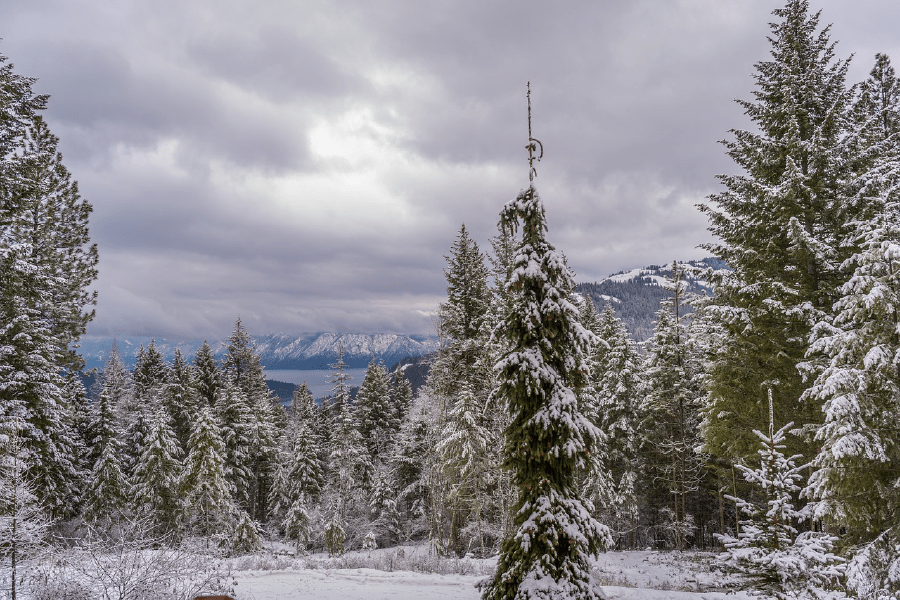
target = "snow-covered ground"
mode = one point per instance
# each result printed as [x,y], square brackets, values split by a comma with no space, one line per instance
[624,575]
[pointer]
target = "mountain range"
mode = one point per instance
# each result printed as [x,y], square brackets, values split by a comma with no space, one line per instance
[276,351]
[635,295]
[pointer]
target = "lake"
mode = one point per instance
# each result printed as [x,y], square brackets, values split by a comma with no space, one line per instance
[316,379]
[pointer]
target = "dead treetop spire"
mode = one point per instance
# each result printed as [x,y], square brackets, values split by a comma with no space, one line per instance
[534,145]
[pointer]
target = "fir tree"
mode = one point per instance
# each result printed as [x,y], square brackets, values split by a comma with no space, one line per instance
[617,372]
[42,297]
[108,495]
[777,560]
[854,483]
[377,418]
[56,228]
[670,412]
[548,556]
[158,473]
[180,400]
[208,378]
[300,474]
[234,418]
[780,223]
[206,491]
[463,450]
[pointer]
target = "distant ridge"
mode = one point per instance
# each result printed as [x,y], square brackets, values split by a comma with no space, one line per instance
[277,351]
[635,295]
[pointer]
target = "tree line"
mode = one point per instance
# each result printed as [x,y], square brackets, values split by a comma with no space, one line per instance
[760,419]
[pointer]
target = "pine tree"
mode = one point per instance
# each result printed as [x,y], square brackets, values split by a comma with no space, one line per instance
[108,495]
[234,419]
[773,556]
[462,364]
[548,556]
[180,400]
[377,418]
[463,450]
[152,375]
[39,291]
[780,224]
[23,521]
[854,483]
[300,474]
[57,231]
[671,416]
[618,388]
[204,487]
[208,378]
[157,475]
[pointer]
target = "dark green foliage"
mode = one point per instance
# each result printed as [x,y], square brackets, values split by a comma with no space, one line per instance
[549,437]
[780,224]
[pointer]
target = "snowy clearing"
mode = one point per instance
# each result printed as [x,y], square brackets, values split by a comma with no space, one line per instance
[639,575]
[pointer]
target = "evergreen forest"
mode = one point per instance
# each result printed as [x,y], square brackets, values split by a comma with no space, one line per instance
[757,422]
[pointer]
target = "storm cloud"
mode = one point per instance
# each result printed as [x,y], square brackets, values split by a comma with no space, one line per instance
[307,165]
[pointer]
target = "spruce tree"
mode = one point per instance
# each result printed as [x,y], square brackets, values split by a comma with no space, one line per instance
[208,379]
[671,418]
[45,269]
[549,437]
[56,228]
[462,363]
[854,483]
[780,224]
[206,491]
[775,558]
[157,475]
[618,387]
[377,418]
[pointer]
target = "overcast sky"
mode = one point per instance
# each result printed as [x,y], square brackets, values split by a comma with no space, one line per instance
[307,164]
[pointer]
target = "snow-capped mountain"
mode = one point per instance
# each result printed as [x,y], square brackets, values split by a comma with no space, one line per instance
[635,294]
[277,351]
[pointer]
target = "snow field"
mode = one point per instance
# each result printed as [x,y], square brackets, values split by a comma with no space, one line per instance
[643,575]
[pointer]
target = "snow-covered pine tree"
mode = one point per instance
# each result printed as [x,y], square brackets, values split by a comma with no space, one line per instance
[157,475]
[108,496]
[780,224]
[618,387]
[350,473]
[670,414]
[180,399]
[462,363]
[208,380]
[775,559]
[152,375]
[57,231]
[204,486]
[463,450]
[117,385]
[33,338]
[549,437]
[300,475]
[377,418]
[235,421]
[408,468]
[401,396]
[108,492]
[23,520]
[241,366]
[854,484]
[339,393]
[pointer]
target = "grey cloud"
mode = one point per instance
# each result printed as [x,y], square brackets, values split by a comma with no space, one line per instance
[629,99]
[275,63]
